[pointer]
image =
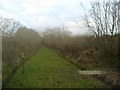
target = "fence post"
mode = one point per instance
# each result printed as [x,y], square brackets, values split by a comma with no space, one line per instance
[23,57]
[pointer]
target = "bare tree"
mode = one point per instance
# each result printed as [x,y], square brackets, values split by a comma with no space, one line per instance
[8,26]
[56,37]
[103,21]
[118,4]
[103,18]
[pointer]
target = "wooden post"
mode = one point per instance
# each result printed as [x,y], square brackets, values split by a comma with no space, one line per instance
[23,57]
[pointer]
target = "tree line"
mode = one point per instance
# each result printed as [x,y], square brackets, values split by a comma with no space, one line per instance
[99,50]
[18,43]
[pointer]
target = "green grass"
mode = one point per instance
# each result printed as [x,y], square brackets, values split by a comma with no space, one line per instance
[46,69]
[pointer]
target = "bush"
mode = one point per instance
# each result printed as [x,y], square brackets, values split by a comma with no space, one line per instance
[24,42]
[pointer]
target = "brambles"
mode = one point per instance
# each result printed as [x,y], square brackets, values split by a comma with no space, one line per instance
[85,51]
[16,41]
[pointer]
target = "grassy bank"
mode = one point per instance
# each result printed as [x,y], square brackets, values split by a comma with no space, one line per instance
[46,69]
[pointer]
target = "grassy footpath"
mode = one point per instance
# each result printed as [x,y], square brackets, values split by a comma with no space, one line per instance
[47,70]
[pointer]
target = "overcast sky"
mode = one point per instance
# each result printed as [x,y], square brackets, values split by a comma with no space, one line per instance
[39,14]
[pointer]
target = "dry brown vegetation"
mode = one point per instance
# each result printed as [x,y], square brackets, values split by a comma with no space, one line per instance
[85,51]
[96,51]
[18,43]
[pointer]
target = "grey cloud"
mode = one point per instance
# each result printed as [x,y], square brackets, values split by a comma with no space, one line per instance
[39,14]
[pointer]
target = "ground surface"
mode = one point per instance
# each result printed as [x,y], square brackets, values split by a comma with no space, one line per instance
[46,69]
